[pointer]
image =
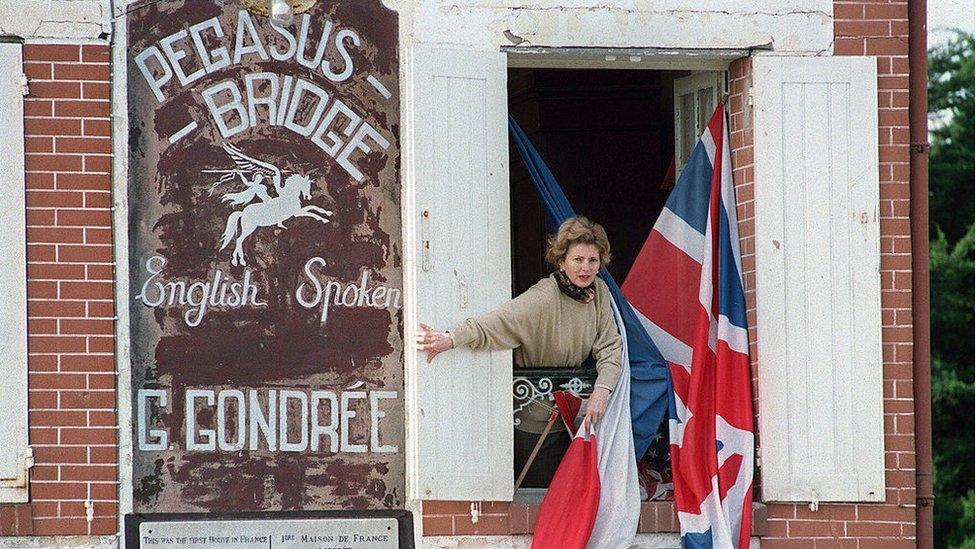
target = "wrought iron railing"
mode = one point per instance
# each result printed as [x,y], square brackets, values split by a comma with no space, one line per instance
[539,385]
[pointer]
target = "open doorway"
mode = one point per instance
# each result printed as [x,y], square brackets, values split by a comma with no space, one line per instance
[614,139]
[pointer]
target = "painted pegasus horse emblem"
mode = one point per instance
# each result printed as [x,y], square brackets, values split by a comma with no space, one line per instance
[260,208]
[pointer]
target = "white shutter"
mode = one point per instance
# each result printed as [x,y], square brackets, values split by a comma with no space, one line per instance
[695,98]
[818,285]
[462,268]
[14,453]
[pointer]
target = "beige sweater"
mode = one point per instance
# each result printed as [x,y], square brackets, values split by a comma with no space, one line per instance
[550,329]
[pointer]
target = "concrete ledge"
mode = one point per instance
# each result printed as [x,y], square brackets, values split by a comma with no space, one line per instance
[56,21]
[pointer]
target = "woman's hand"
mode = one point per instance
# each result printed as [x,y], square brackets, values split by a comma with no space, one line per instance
[597,405]
[433,342]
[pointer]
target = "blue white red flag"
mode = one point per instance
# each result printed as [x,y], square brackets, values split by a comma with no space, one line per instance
[686,286]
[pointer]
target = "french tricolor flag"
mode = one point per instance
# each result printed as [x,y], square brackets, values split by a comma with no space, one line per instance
[686,287]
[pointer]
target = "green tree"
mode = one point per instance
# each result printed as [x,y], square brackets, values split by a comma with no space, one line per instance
[951,271]
[951,160]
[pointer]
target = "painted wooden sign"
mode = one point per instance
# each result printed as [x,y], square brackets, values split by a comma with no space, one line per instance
[264,241]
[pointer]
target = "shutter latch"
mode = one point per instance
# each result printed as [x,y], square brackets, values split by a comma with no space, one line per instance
[425,240]
[814,501]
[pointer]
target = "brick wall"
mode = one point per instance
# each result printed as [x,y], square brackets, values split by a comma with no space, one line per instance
[876,29]
[70,294]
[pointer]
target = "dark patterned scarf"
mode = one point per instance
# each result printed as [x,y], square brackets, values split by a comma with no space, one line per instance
[566,286]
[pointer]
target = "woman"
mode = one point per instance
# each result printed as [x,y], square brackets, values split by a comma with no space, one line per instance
[557,323]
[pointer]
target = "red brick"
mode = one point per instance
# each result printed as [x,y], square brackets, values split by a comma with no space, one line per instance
[84,181]
[486,525]
[39,180]
[87,326]
[95,235]
[104,381]
[52,52]
[38,144]
[847,11]
[97,418]
[101,344]
[56,344]
[44,473]
[104,526]
[101,128]
[37,326]
[59,454]
[873,529]
[55,90]
[55,199]
[861,28]
[54,308]
[95,54]
[837,543]
[86,400]
[52,126]
[37,71]
[102,491]
[87,290]
[84,218]
[41,289]
[100,309]
[60,526]
[98,145]
[53,162]
[899,443]
[446,507]
[96,90]
[58,381]
[99,72]
[441,525]
[37,400]
[885,11]
[40,252]
[82,108]
[833,513]
[56,235]
[99,272]
[58,490]
[98,200]
[101,164]
[42,363]
[88,472]
[87,363]
[103,454]
[885,513]
[767,543]
[85,254]
[36,108]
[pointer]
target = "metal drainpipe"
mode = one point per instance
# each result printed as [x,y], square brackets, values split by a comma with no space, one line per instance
[919,213]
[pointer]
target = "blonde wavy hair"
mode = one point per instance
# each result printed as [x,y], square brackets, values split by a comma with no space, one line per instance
[578,230]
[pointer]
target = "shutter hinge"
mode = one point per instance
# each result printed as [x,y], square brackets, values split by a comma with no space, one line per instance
[475,512]
[25,460]
[759,457]
[749,95]
[24,86]
[814,501]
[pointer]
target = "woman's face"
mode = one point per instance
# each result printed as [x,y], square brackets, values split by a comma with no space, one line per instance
[581,264]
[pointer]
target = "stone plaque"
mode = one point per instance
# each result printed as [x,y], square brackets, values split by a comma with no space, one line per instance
[359,533]
[265,257]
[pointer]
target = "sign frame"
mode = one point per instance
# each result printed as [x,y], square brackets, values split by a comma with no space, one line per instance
[404,520]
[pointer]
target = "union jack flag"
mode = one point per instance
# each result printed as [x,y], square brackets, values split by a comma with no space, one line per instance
[686,287]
